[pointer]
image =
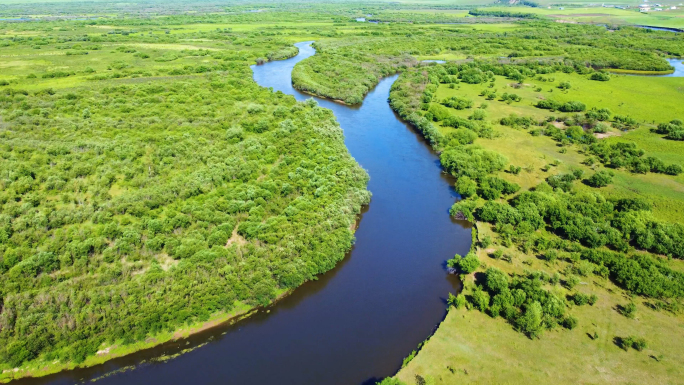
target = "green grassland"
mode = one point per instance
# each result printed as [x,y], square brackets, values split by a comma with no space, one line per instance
[104,190]
[647,99]
[473,348]
[605,15]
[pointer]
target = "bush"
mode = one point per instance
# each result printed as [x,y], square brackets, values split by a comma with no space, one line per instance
[673,130]
[478,114]
[551,255]
[496,281]
[628,310]
[600,76]
[639,343]
[473,76]
[530,322]
[458,103]
[600,179]
[580,299]
[602,114]
[571,281]
[467,264]
[572,106]
[466,187]
[569,322]
[486,241]
[480,299]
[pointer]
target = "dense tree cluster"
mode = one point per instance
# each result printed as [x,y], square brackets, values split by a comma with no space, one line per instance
[131,209]
[629,156]
[555,217]
[522,301]
[673,130]
[587,218]
[573,106]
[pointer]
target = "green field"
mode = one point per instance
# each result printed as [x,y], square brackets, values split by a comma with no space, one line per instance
[477,346]
[149,188]
[127,233]
[606,15]
[648,99]
[473,348]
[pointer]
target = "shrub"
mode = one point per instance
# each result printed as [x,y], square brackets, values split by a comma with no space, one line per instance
[600,179]
[530,322]
[639,343]
[480,299]
[673,130]
[569,322]
[496,281]
[458,103]
[467,264]
[486,241]
[473,76]
[478,114]
[571,281]
[466,187]
[628,310]
[600,76]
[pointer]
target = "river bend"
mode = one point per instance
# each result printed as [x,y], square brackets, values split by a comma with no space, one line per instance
[357,322]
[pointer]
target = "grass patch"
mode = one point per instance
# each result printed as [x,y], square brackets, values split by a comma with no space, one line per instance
[472,347]
[532,153]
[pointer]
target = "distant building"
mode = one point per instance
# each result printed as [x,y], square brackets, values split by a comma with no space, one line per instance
[643,8]
[673,7]
[361,19]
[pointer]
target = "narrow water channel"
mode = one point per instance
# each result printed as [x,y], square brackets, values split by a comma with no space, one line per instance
[357,322]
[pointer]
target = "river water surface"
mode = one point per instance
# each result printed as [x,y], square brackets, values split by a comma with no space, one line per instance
[357,322]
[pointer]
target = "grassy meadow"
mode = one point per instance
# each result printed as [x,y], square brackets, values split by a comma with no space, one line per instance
[470,347]
[104,190]
[475,346]
[650,100]
[597,14]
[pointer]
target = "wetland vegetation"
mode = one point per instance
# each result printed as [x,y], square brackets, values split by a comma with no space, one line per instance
[149,185]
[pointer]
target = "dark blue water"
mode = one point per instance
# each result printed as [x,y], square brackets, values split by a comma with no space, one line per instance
[665,29]
[357,322]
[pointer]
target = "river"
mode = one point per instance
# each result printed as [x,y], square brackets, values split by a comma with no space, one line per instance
[678,65]
[357,322]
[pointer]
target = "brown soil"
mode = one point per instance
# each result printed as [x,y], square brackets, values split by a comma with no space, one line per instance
[607,135]
[236,238]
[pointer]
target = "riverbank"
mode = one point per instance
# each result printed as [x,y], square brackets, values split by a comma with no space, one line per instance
[240,312]
[173,268]
[387,290]
[474,346]
[119,349]
[470,346]
[635,72]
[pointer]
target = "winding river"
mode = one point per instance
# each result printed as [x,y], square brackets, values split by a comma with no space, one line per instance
[357,322]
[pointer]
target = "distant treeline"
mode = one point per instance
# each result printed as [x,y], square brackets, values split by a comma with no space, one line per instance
[497,13]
